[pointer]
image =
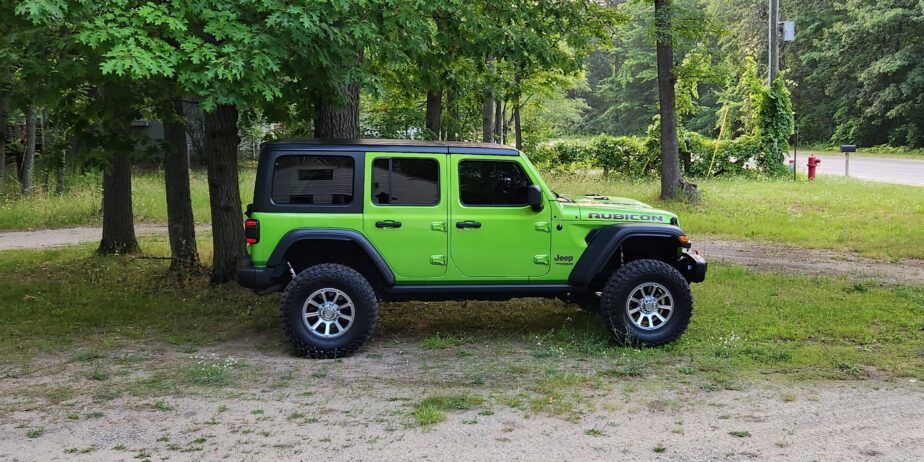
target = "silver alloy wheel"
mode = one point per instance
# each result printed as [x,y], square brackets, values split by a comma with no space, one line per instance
[328,313]
[650,306]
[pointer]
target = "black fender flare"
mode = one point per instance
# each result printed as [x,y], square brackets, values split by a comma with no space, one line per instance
[607,240]
[277,258]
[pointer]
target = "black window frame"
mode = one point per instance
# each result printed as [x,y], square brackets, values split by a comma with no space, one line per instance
[512,206]
[263,190]
[439,184]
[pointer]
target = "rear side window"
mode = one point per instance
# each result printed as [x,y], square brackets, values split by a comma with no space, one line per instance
[402,181]
[317,180]
[492,183]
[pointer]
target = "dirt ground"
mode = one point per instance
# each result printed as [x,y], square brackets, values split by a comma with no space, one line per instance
[796,260]
[251,400]
[361,408]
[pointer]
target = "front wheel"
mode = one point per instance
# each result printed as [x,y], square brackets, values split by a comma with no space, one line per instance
[646,302]
[328,311]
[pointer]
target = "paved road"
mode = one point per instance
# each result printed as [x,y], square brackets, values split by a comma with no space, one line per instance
[888,170]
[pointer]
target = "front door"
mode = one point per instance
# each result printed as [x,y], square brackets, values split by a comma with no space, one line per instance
[405,214]
[495,233]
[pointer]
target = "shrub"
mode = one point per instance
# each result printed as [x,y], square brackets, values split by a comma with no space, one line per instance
[561,153]
[721,157]
[623,154]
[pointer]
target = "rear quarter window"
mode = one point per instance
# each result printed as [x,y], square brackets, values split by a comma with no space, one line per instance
[313,180]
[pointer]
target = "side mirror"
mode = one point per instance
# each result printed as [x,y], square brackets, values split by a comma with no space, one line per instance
[534,197]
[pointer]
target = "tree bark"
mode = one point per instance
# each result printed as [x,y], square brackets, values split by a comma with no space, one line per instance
[670,163]
[452,112]
[61,163]
[337,119]
[499,122]
[487,118]
[220,145]
[435,111]
[487,113]
[28,160]
[517,126]
[118,221]
[181,225]
[4,116]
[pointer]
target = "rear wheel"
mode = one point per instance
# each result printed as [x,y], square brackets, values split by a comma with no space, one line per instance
[646,302]
[328,311]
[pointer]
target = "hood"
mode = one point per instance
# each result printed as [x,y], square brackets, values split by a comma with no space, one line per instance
[592,207]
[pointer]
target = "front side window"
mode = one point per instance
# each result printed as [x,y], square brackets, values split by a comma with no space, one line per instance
[402,181]
[315,180]
[492,183]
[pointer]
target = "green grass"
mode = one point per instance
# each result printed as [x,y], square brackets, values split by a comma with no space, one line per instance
[875,219]
[865,151]
[58,299]
[432,409]
[745,324]
[440,341]
[81,204]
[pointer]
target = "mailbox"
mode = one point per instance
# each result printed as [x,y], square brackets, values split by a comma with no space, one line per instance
[847,149]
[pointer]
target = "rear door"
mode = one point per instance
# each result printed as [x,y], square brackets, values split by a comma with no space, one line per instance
[495,233]
[405,214]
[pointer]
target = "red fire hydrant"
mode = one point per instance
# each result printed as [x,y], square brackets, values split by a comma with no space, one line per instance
[812,165]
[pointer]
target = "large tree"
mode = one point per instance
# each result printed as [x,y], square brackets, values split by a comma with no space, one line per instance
[238,54]
[671,185]
[180,221]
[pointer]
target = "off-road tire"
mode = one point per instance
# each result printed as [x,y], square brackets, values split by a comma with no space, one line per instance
[616,293]
[328,275]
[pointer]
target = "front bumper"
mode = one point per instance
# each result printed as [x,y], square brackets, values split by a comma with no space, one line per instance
[255,278]
[693,267]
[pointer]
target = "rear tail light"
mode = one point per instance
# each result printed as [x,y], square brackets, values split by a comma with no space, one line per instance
[251,231]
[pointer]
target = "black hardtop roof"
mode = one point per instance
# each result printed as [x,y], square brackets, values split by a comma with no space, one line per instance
[382,145]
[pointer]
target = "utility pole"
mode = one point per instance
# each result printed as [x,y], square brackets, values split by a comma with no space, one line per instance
[774,40]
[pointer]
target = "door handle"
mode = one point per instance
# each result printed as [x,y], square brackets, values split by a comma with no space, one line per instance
[468,224]
[388,224]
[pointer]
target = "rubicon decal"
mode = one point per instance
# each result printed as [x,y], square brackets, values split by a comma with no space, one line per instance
[625,216]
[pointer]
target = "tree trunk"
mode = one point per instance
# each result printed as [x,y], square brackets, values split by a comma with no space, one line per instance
[337,119]
[435,111]
[452,112]
[4,115]
[670,162]
[28,160]
[487,118]
[180,223]
[220,145]
[517,126]
[60,164]
[487,113]
[499,122]
[118,222]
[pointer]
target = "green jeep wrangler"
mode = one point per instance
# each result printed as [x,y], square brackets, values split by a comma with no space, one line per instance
[340,225]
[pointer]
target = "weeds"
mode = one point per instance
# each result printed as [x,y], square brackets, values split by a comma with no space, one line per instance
[212,371]
[432,410]
[439,341]
[162,406]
